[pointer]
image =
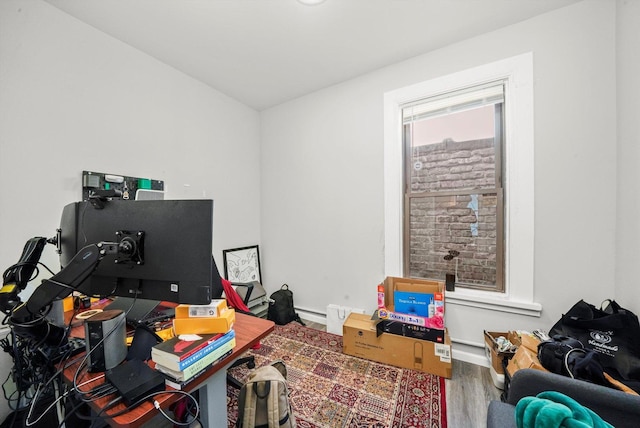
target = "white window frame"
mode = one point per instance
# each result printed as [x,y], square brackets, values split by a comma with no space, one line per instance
[518,296]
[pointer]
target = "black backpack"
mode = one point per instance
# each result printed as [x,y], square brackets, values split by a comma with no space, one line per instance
[281,310]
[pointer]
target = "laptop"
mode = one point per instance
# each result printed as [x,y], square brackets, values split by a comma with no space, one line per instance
[143,311]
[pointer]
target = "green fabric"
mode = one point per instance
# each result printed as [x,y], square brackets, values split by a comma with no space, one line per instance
[551,409]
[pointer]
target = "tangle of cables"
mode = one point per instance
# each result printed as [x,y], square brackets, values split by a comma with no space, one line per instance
[43,352]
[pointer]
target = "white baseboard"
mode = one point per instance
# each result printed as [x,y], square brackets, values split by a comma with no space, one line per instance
[469,357]
[312,316]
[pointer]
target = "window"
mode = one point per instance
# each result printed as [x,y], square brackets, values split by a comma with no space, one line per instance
[453,210]
[513,181]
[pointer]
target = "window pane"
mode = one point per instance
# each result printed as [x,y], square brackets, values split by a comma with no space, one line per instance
[464,223]
[453,152]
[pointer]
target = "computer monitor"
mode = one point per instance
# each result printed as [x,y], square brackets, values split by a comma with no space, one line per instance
[171,241]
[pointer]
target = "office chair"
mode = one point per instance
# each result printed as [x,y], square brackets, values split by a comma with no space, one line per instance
[241,293]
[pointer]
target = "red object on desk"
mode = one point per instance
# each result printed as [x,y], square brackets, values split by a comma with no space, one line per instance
[235,301]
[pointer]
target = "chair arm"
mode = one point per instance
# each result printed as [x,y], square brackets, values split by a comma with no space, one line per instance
[615,407]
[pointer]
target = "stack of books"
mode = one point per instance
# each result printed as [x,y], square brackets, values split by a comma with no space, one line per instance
[182,361]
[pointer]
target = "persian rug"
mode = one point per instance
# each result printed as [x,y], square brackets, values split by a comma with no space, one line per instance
[329,389]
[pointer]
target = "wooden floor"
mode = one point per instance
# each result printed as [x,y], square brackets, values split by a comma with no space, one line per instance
[468,392]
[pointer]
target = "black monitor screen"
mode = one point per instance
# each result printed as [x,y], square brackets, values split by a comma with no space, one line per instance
[169,246]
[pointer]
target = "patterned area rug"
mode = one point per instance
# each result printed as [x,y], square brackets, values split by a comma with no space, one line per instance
[329,389]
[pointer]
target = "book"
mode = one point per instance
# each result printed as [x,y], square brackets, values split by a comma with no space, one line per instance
[204,362]
[177,354]
[178,349]
[177,384]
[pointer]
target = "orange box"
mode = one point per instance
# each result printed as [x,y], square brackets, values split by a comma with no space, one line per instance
[214,309]
[205,325]
[67,303]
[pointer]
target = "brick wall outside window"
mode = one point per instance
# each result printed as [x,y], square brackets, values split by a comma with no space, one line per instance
[442,223]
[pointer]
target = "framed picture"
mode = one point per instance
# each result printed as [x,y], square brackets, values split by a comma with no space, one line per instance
[242,264]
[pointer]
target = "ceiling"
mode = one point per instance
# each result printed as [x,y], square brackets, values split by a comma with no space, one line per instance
[265,52]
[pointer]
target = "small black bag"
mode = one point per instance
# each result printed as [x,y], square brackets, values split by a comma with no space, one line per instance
[281,310]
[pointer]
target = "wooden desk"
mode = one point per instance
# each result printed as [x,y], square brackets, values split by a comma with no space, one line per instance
[212,384]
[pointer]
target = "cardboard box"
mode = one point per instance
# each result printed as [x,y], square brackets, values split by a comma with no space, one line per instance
[360,339]
[392,283]
[491,348]
[434,289]
[526,357]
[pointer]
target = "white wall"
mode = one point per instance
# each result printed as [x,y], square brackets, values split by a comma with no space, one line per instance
[322,184]
[74,99]
[628,130]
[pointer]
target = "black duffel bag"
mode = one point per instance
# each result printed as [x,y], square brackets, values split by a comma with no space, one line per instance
[611,331]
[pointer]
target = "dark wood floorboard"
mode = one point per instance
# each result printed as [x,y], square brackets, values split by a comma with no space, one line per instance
[468,392]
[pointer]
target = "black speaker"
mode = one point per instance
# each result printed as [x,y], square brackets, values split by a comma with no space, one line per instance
[450,282]
[106,339]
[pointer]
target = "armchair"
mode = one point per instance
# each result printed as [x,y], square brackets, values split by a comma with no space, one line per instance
[618,408]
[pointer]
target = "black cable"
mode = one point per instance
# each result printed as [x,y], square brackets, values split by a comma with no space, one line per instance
[104,393]
[15,413]
[195,417]
[71,412]
[94,419]
[33,368]
[53,377]
[46,267]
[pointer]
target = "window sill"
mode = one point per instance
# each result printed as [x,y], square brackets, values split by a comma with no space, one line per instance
[487,300]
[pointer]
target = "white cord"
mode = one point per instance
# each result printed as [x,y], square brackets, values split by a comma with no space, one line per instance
[59,409]
[566,360]
[34,400]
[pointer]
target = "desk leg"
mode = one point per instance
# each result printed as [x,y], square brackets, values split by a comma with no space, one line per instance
[213,400]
